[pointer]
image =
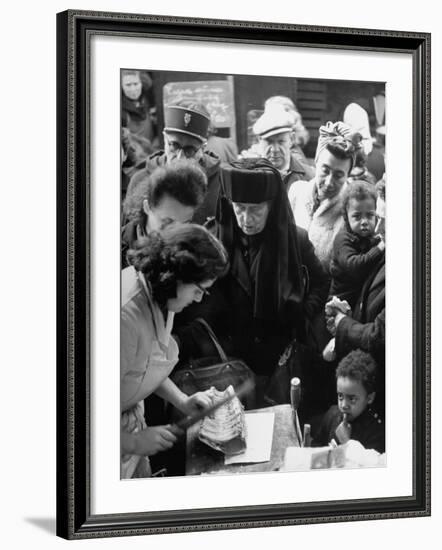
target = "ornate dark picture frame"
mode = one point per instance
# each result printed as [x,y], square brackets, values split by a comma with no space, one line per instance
[74,32]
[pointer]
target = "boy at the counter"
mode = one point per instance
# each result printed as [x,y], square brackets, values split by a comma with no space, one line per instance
[353,416]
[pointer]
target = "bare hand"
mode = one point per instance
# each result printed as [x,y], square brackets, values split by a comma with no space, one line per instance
[335,305]
[198,402]
[155,439]
[343,431]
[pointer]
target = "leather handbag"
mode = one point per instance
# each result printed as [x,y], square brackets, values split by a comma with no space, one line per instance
[294,362]
[218,371]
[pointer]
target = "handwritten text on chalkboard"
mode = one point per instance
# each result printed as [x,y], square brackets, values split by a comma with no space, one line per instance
[215,95]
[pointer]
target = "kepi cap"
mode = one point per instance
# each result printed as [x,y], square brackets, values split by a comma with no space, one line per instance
[186,121]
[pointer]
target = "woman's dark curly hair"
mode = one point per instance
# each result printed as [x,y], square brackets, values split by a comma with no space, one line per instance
[359,190]
[186,253]
[360,366]
[183,180]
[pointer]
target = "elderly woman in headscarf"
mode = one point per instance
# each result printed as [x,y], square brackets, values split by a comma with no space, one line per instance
[263,301]
[317,204]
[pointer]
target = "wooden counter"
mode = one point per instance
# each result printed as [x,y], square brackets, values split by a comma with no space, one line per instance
[202,459]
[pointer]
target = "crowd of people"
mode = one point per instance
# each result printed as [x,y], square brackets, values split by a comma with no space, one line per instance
[269,248]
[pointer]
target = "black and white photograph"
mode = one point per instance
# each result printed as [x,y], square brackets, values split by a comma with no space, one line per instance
[253,242]
[207,342]
[241,349]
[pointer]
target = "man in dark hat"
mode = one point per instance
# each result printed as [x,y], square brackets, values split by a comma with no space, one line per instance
[185,137]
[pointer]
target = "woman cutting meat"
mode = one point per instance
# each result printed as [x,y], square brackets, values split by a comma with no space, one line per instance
[169,271]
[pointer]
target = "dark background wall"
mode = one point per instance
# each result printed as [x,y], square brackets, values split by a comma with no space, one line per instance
[317,100]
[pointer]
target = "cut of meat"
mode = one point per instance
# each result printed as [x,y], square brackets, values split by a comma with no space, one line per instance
[225,429]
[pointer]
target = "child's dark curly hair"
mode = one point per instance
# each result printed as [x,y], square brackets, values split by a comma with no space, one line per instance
[188,253]
[359,190]
[183,180]
[359,365]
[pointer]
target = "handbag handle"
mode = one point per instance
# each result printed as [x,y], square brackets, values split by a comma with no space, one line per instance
[214,339]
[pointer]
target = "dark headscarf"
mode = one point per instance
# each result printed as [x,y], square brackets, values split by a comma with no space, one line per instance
[277,276]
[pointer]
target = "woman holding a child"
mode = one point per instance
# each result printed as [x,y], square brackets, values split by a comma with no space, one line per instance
[317,204]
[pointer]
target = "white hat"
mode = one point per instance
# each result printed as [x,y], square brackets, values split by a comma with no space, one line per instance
[274,120]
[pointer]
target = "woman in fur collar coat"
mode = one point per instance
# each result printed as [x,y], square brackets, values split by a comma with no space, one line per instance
[317,204]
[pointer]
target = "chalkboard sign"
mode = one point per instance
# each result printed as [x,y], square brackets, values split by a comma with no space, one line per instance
[215,95]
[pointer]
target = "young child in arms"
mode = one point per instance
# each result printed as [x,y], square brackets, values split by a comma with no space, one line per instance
[356,250]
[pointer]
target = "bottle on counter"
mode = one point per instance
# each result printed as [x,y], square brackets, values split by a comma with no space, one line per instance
[307,438]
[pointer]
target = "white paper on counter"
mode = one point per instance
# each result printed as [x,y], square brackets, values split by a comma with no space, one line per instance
[259,439]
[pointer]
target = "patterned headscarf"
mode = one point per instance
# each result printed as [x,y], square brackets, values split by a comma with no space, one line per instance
[337,135]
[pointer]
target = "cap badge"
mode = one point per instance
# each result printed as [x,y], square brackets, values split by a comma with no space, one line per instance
[187,119]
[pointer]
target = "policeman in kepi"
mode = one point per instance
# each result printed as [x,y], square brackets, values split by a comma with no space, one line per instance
[274,129]
[186,125]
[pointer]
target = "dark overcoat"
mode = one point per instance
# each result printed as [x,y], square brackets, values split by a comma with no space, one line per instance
[365,329]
